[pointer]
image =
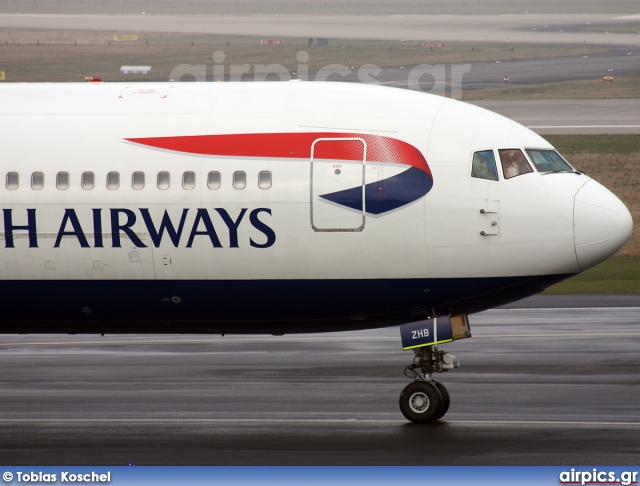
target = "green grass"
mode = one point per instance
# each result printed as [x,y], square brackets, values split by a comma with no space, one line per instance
[620,87]
[595,144]
[614,276]
[36,55]
[620,28]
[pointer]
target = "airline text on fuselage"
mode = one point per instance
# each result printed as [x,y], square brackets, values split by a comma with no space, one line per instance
[121,222]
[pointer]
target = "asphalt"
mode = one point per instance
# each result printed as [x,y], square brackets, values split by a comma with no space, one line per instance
[618,61]
[570,117]
[499,73]
[514,28]
[546,117]
[551,381]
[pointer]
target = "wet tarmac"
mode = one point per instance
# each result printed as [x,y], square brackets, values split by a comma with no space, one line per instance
[552,381]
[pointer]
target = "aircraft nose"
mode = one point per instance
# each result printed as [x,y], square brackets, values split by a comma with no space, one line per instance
[602,224]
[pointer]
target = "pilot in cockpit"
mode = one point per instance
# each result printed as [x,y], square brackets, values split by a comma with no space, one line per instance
[513,163]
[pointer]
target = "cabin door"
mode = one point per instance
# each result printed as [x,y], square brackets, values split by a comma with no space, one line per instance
[337,184]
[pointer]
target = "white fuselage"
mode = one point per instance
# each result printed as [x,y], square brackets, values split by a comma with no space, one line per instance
[207,190]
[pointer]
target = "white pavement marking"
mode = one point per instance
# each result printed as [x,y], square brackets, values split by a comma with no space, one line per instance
[307,339]
[311,421]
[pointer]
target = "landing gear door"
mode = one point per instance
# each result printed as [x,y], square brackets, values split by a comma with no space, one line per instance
[337,184]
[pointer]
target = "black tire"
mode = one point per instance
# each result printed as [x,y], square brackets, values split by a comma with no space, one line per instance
[446,400]
[420,402]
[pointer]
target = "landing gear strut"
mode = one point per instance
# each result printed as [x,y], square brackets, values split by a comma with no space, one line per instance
[425,399]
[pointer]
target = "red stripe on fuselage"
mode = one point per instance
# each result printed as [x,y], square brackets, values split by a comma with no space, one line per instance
[293,146]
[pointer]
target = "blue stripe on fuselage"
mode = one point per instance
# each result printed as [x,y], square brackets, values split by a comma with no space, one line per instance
[247,306]
[387,194]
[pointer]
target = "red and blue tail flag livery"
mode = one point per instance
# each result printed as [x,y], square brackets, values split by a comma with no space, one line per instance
[275,208]
[380,196]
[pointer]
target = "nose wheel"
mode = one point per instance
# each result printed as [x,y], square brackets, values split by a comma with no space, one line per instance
[422,401]
[446,401]
[425,399]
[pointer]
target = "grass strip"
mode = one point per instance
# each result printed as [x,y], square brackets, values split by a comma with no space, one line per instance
[614,276]
[620,87]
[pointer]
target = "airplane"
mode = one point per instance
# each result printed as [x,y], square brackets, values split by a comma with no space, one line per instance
[288,207]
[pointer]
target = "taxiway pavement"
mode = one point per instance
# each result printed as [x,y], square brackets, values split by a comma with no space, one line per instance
[571,117]
[550,381]
[540,28]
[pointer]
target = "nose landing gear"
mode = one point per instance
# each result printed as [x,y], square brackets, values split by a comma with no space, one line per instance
[426,399]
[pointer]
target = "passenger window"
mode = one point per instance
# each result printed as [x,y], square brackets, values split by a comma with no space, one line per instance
[13,181]
[214,180]
[264,180]
[189,180]
[164,180]
[548,161]
[62,181]
[113,180]
[88,180]
[37,181]
[484,166]
[513,163]
[137,180]
[239,180]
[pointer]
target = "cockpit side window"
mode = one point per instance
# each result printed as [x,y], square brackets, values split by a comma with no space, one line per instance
[548,161]
[484,166]
[513,163]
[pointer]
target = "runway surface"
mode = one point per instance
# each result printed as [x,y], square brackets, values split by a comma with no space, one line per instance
[563,117]
[538,385]
[547,117]
[545,28]
[618,61]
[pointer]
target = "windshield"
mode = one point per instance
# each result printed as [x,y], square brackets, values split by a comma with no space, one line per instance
[513,163]
[484,166]
[548,161]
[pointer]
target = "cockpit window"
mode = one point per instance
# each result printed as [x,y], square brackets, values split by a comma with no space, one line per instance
[484,166]
[513,163]
[548,161]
